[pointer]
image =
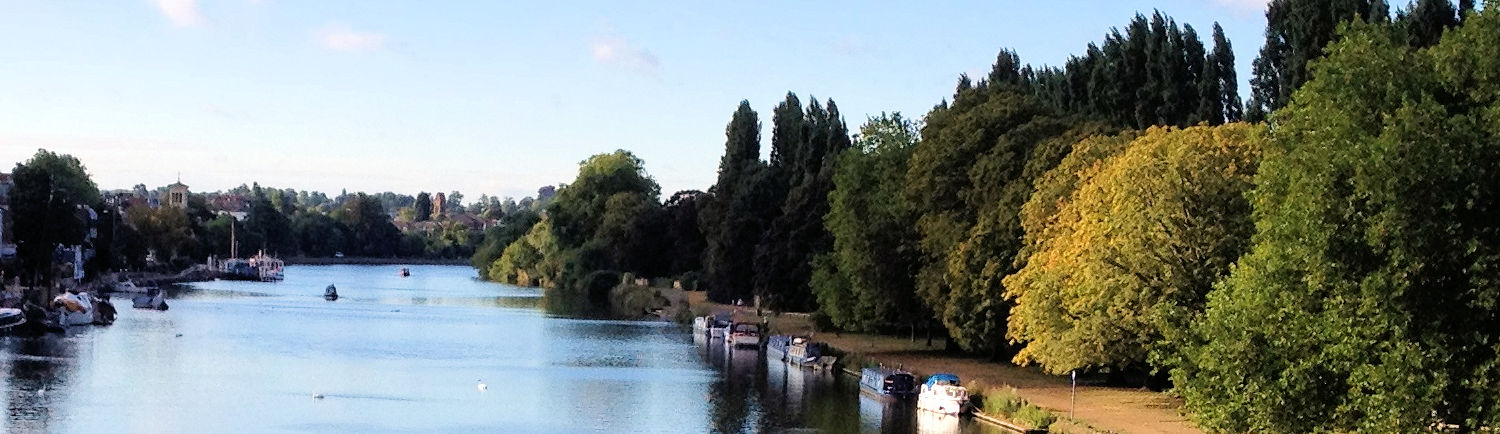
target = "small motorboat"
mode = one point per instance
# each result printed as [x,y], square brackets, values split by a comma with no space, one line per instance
[331,293]
[10,317]
[82,309]
[743,334]
[718,325]
[943,394]
[129,286]
[405,272]
[154,300]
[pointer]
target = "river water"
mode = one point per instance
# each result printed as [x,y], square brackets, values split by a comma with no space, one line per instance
[398,354]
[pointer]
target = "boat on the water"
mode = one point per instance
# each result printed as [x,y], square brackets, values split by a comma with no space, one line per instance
[800,351]
[153,300]
[405,272]
[887,382]
[11,317]
[259,268]
[331,293]
[942,393]
[81,308]
[743,334]
[129,286]
[718,325]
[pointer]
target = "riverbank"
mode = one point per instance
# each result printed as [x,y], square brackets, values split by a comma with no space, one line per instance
[350,260]
[1097,409]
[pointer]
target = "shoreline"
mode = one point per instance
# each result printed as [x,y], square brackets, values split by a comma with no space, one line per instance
[1098,408]
[351,260]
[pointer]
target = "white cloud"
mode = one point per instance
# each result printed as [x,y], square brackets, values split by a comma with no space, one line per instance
[1245,5]
[341,37]
[612,49]
[182,13]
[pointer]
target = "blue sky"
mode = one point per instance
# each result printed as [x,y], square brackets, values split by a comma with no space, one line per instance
[493,98]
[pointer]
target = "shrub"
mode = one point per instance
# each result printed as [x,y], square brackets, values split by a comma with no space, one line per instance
[1033,417]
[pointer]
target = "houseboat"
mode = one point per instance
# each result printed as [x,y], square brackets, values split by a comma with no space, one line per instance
[743,334]
[799,351]
[943,394]
[887,383]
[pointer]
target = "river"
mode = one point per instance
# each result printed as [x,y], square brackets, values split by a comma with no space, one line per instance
[398,354]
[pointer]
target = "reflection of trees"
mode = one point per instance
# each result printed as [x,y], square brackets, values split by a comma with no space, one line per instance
[36,382]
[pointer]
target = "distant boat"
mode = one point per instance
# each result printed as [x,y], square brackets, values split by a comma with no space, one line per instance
[153,300]
[887,382]
[331,293]
[405,272]
[128,286]
[718,325]
[943,394]
[260,268]
[743,334]
[799,351]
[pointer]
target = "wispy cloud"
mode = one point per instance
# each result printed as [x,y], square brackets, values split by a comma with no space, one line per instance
[340,37]
[613,49]
[182,13]
[1244,5]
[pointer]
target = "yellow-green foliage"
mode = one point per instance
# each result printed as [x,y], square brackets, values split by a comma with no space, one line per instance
[1006,403]
[533,260]
[1128,255]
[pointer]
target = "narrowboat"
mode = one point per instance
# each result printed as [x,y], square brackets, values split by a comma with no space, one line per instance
[887,382]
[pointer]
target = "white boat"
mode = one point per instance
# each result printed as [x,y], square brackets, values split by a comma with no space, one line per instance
[718,326]
[700,325]
[743,334]
[943,394]
[129,286]
[81,309]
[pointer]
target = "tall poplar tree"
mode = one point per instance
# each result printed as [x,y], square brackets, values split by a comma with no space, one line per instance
[730,221]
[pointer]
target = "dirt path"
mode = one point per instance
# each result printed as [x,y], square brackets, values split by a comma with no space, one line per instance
[1100,408]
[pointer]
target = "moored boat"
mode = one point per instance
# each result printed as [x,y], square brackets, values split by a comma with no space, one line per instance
[718,325]
[11,317]
[129,286]
[799,351]
[942,393]
[154,300]
[887,382]
[743,334]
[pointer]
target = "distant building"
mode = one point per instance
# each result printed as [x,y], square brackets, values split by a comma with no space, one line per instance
[177,194]
[438,202]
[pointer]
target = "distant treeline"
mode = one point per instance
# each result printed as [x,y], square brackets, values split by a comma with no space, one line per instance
[1331,266]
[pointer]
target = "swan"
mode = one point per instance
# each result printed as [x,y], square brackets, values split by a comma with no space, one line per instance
[481,386]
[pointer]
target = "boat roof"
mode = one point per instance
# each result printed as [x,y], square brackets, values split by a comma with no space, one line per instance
[885,371]
[942,378]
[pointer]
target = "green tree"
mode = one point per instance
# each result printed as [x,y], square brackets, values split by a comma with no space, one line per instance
[48,200]
[602,208]
[731,219]
[166,229]
[534,260]
[511,228]
[865,282]
[684,232]
[373,235]
[423,207]
[319,235]
[1296,32]
[1126,256]
[1367,301]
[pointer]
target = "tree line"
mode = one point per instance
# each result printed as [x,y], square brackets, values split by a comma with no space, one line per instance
[1329,265]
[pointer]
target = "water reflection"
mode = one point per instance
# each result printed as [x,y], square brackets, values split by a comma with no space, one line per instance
[404,355]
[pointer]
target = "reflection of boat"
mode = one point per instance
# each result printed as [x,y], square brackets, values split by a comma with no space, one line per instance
[887,382]
[331,293]
[405,272]
[10,317]
[932,422]
[943,394]
[743,334]
[799,351]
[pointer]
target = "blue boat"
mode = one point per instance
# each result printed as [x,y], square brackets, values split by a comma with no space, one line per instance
[888,382]
[799,351]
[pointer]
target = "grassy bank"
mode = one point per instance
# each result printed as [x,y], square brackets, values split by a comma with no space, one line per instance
[1027,393]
